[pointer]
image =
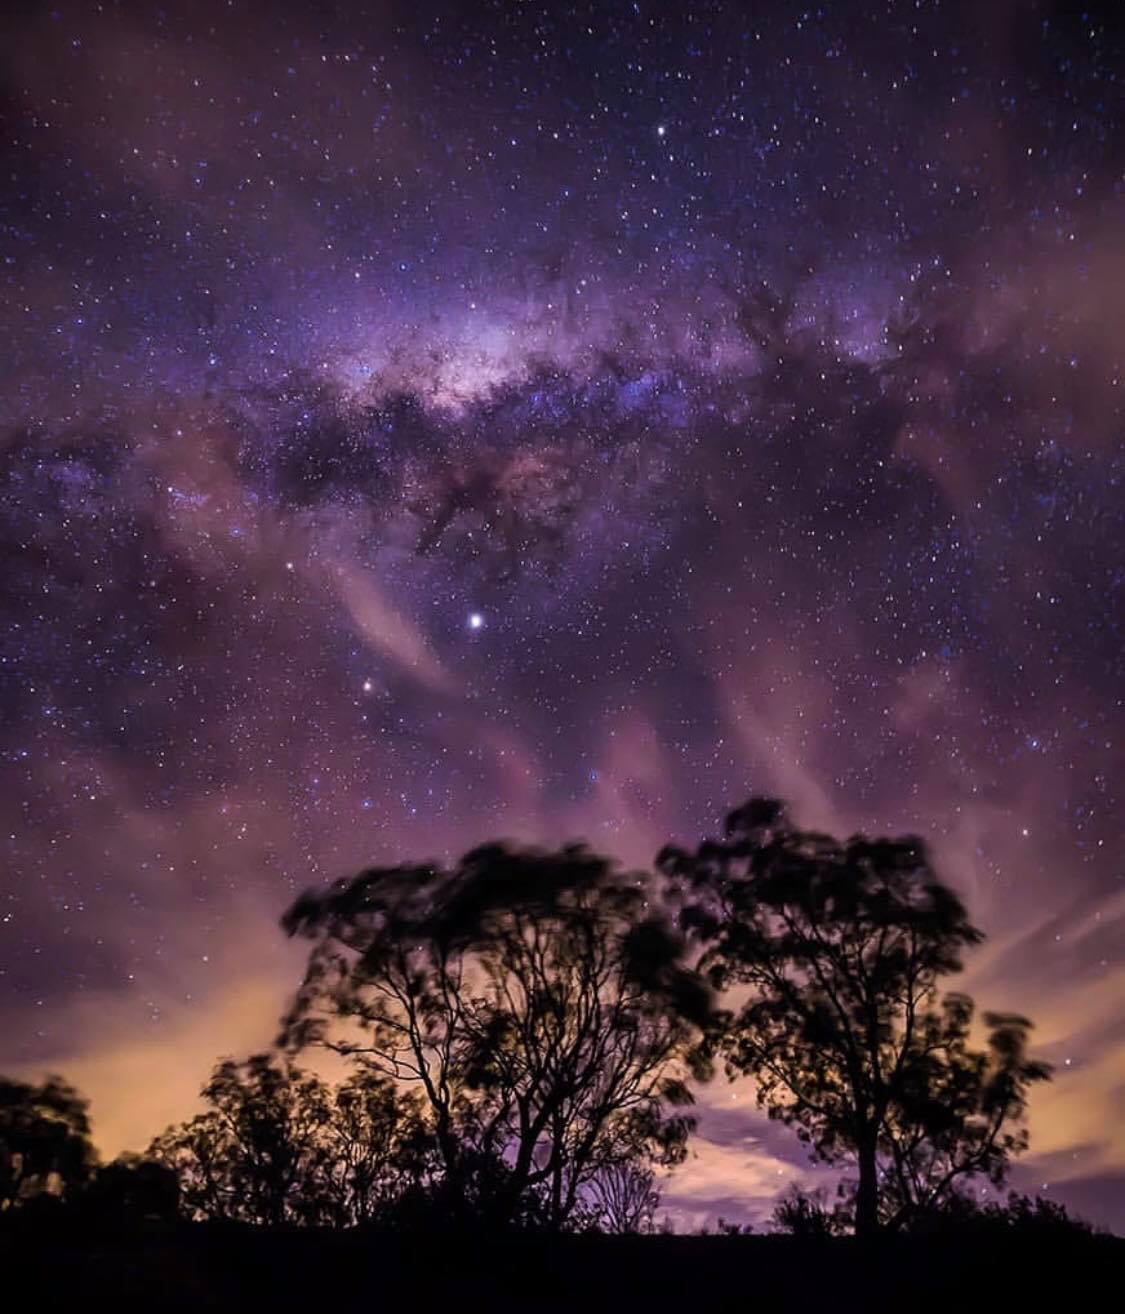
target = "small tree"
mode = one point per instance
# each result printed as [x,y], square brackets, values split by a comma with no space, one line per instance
[133,1188]
[278,1145]
[252,1155]
[373,1147]
[45,1146]
[624,1199]
[807,1214]
[842,946]
[536,1002]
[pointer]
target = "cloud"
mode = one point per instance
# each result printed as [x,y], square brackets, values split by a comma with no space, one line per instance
[386,631]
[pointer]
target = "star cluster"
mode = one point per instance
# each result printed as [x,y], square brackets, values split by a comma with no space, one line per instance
[428,422]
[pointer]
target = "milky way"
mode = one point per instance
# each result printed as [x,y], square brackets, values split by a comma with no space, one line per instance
[435,422]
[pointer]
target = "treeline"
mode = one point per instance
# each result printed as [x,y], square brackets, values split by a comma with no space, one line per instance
[524,1032]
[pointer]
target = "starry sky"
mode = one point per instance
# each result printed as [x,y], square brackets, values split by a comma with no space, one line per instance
[424,422]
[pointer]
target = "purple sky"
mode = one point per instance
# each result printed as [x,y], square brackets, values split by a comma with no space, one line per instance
[550,421]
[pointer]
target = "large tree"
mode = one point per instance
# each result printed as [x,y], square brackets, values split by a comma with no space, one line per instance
[45,1145]
[840,947]
[537,1002]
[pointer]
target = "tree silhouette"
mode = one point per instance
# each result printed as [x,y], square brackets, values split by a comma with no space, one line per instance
[133,1188]
[1030,1218]
[535,1000]
[958,1109]
[278,1145]
[808,1215]
[371,1150]
[251,1155]
[624,1198]
[45,1145]
[842,945]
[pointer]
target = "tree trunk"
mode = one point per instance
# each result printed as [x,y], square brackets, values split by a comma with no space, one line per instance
[867,1196]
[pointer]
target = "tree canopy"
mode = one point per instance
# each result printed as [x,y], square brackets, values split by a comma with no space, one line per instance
[276,1144]
[538,1001]
[840,947]
[45,1145]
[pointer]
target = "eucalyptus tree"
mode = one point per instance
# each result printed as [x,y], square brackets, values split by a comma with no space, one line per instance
[538,1002]
[840,948]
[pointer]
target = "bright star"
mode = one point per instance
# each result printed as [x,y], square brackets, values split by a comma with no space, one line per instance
[476,620]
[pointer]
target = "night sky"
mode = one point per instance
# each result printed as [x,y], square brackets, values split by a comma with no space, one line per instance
[538,420]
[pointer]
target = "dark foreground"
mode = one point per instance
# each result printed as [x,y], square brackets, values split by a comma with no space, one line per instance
[205,1268]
